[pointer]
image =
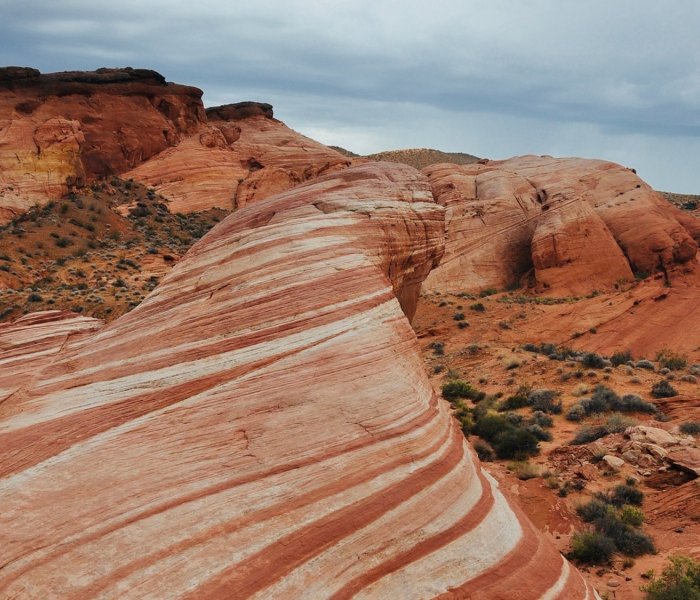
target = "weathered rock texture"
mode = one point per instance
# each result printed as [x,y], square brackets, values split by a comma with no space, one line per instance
[576,225]
[243,155]
[262,426]
[32,342]
[64,129]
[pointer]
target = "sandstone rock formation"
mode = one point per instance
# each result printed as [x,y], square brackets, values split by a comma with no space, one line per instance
[243,155]
[64,129]
[31,342]
[576,225]
[262,426]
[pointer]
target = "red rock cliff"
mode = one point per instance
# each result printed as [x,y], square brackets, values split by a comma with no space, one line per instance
[61,129]
[577,225]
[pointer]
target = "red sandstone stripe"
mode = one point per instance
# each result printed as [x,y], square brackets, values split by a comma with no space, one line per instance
[36,443]
[234,342]
[419,421]
[279,559]
[423,549]
[346,482]
[507,580]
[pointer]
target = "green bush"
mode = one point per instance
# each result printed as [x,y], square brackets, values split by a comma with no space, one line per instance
[513,402]
[690,428]
[591,548]
[671,360]
[515,443]
[490,425]
[478,307]
[484,451]
[460,389]
[631,515]
[663,389]
[575,413]
[679,581]
[621,357]
[618,521]
[592,360]
[626,494]
[545,401]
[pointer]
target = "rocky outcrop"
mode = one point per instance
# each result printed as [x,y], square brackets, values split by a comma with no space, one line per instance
[572,225]
[262,426]
[63,129]
[242,156]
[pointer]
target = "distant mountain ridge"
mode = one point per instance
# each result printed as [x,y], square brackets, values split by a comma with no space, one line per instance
[418,158]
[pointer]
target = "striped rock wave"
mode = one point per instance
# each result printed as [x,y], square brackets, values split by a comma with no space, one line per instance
[262,426]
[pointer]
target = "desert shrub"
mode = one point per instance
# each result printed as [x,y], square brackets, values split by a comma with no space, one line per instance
[515,443]
[458,316]
[689,378]
[438,348]
[618,522]
[633,403]
[463,324]
[593,511]
[628,540]
[460,389]
[626,494]
[488,292]
[517,400]
[545,400]
[34,297]
[514,418]
[632,515]
[524,470]
[542,419]
[478,307]
[490,425]
[484,451]
[663,389]
[592,360]
[690,428]
[588,434]
[581,389]
[513,362]
[671,360]
[605,400]
[679,581]
[621,357]
[575,413]
[645,364]
[591,548]
[539,432]
[616,423]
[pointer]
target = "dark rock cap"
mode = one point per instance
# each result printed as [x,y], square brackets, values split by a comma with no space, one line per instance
[240,110]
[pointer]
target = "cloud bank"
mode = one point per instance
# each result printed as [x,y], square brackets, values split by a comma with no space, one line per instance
[616,80]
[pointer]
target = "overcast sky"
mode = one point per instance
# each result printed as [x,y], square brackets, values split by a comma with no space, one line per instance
[614,79]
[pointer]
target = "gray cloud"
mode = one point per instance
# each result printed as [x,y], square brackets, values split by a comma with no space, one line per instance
[617,80]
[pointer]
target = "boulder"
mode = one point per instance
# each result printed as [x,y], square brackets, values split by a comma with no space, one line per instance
[614,462]
[650,435]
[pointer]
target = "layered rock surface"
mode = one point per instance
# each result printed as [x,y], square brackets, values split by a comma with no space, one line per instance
[64,129]
[243,155]
[574,225]
[262,426]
